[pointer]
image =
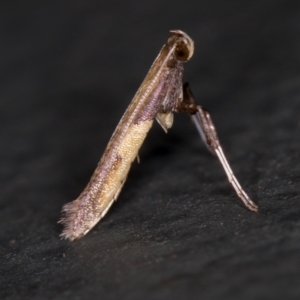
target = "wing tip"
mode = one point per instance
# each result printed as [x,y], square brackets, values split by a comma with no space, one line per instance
[69,215]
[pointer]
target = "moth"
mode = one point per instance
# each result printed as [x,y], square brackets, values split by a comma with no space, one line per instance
[161,94]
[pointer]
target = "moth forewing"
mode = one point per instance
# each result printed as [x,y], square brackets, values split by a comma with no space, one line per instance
[159,95]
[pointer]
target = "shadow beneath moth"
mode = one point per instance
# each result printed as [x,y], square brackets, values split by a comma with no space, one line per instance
[161,94]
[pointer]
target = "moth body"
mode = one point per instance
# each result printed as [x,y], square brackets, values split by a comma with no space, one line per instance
[157,97]
[161,93]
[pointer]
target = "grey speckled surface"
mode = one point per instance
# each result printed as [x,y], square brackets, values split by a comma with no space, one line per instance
[68,71]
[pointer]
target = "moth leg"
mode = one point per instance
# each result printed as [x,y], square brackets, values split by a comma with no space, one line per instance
[203,122]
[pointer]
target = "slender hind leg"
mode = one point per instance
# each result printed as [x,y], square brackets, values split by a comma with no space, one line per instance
[203,122]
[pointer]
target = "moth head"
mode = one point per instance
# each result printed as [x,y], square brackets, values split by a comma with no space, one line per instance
[184,45]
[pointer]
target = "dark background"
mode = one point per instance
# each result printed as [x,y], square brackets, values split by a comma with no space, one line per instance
[178,231]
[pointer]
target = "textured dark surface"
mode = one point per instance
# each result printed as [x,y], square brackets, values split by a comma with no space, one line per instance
[178,231]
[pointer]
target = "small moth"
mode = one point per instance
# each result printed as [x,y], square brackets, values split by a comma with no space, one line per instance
[161,94]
